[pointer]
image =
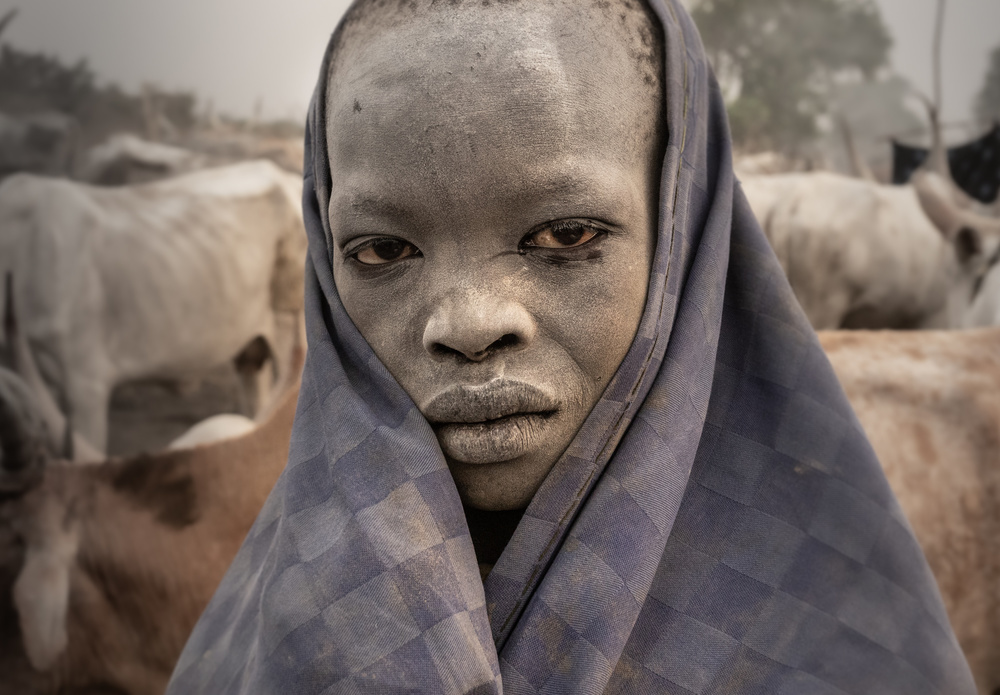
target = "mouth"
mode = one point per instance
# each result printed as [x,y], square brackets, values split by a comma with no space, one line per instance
[498,421]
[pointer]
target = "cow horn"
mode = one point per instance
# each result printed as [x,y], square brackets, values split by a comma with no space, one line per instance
[937,156]
[9,315]
[67,444]
[858,163]
[936,201]
[937,160]
[8,18]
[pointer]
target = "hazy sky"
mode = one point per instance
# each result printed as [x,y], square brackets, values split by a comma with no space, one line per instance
[239,51]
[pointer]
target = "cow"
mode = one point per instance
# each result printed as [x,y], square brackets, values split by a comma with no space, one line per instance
[156,280]
[930,404]
[859,254]
[105,568]
[125,159]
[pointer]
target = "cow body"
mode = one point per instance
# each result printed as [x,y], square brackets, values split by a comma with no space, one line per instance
[153,280]
[857,254]
[930,404]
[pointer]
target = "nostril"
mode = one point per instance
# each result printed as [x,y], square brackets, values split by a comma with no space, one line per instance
[442,350]
[505,341]
[508,340]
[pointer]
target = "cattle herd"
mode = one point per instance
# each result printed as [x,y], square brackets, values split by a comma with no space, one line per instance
[106,563]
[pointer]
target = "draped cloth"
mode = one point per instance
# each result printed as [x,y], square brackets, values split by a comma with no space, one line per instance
[720,523]
[975,166]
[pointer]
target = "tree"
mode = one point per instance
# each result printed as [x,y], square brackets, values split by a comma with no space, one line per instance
[988,101]
[777,60]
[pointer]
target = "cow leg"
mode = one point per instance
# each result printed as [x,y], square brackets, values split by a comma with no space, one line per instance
[830,312]
[87,404]
[255,380]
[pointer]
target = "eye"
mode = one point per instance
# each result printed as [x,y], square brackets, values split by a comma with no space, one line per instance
[384,250]
[564,234]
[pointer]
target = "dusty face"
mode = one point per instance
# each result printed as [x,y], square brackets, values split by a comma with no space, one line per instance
[493,215]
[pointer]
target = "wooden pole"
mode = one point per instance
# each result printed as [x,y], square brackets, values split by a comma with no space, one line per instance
[938,157]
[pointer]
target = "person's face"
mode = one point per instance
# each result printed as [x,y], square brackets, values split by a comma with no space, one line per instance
[494,215]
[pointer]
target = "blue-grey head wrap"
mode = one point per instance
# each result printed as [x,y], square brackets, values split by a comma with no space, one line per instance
[720,524]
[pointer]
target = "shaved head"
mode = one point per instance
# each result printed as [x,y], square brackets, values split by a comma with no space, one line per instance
[631,23]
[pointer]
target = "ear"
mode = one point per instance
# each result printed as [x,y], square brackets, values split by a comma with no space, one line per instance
[968,243]
[41,592]
[974,235]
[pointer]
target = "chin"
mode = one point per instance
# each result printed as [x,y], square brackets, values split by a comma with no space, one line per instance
[503,486]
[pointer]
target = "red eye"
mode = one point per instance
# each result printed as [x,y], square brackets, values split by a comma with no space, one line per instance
[381,251]
[562,235]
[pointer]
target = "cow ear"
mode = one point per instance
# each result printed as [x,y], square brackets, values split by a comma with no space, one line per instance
[968,243]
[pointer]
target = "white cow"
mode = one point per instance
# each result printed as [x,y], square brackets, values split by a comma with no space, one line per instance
[863,255]
[152,280]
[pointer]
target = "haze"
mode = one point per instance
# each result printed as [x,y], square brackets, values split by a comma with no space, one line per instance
[239,53]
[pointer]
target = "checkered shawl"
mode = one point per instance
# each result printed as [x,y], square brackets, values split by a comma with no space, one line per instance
[720,524]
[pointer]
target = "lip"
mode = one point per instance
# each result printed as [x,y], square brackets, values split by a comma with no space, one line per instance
[495,422]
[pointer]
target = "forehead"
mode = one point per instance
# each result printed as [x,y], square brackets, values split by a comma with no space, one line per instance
[520,81]
[629,26]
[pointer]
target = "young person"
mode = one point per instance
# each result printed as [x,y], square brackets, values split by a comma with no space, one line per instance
[563,427]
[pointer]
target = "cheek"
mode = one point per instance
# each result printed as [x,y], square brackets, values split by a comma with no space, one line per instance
[595,313]
[384,312]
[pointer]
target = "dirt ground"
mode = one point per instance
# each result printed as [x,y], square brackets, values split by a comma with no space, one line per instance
[148,415]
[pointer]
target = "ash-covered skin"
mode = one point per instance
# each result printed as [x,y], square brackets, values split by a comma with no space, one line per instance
[496,173]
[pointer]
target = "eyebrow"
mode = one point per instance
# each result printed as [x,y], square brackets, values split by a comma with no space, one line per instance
[374,206]
[607,192]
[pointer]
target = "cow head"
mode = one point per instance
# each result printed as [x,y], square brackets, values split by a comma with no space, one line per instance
[37,521]
[33,518]
[974,239]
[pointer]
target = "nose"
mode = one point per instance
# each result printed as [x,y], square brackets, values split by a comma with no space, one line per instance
[474,327]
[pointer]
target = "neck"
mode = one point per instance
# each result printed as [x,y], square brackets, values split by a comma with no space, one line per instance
[491,531]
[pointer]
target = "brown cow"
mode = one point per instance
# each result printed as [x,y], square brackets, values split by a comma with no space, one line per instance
[930,403]
[111,564]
